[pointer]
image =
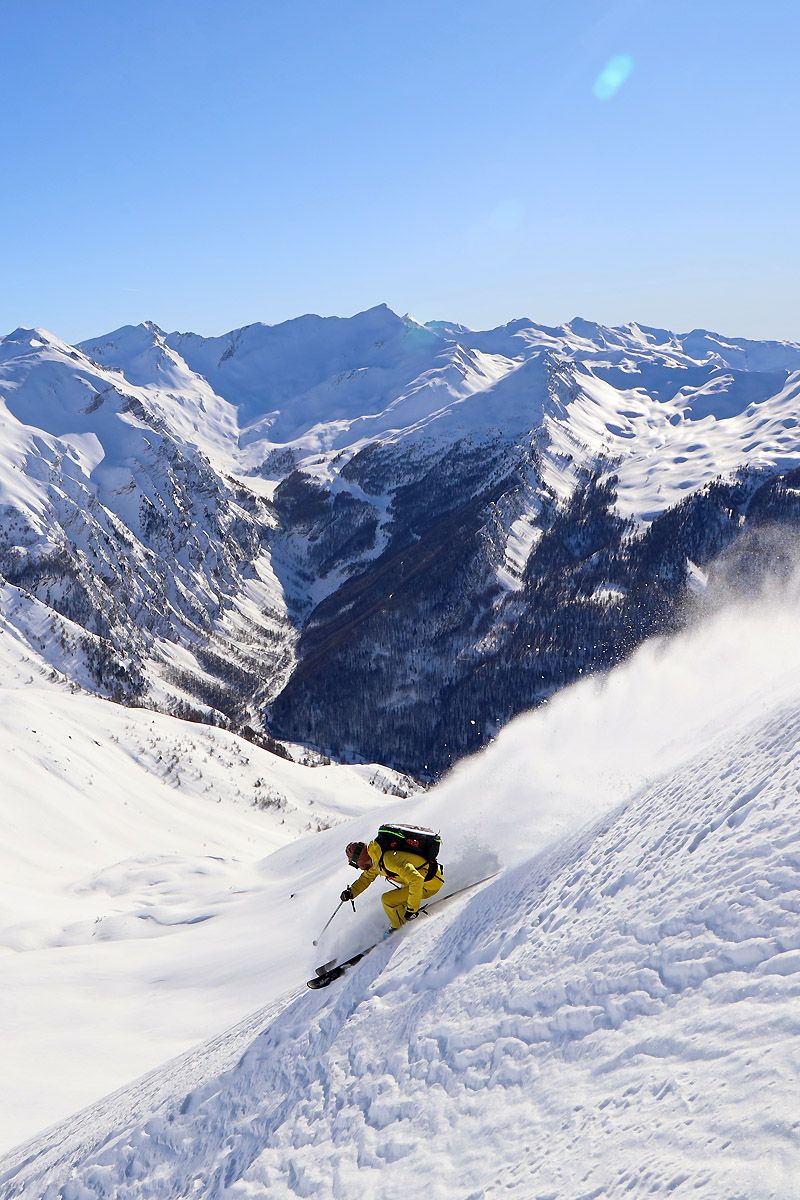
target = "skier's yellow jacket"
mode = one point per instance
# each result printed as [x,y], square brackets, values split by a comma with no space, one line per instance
[406,868]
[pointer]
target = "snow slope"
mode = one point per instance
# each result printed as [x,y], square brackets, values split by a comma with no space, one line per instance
[131,851]
[615,1015]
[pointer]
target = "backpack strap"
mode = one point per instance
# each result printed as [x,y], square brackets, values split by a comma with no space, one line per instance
[433,867]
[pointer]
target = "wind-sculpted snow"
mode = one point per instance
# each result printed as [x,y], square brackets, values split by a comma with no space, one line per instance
[133,900]
[616,1016]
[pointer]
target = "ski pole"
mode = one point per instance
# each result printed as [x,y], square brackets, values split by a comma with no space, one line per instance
[330,918]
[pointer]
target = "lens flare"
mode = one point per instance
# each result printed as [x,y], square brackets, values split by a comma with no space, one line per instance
[613,76]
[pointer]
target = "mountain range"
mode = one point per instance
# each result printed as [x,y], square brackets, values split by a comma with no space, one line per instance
[379,538]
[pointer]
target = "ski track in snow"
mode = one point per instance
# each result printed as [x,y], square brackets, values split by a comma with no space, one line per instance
[616,1017]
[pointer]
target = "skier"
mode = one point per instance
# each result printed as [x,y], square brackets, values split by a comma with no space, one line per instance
[418,876]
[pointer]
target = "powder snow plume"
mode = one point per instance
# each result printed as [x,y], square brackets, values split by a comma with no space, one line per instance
[599,741]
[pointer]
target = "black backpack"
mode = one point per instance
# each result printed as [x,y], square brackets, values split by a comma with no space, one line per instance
[414,839]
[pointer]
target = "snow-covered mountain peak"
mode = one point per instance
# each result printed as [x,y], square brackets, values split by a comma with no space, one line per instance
[21,342]
[142,355]
[590,330]
[742,354]
[289,369]
[131,338]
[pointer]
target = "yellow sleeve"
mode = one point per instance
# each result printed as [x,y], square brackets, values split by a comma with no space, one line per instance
[364,880]
[405,870]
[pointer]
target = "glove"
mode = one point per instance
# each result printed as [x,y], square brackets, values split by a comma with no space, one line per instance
[346,895]
[411,914]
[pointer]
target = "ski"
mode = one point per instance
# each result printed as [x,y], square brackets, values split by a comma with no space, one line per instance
[323,977]
[331,971]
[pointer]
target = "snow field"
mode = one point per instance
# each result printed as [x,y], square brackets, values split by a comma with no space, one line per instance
[133,847]
[616,1017]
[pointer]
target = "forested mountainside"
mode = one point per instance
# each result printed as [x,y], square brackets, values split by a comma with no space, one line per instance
[377,537]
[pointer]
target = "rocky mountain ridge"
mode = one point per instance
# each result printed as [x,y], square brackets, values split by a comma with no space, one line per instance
[374,536]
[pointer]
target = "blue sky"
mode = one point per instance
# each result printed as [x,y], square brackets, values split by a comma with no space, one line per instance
[206,165]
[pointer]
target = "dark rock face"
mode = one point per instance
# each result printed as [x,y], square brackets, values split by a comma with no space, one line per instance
[339,528]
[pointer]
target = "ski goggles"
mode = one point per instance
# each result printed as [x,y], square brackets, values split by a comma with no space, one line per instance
[354,851]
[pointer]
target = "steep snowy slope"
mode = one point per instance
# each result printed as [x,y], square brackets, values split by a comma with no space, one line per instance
[130,856]
[153,561]
[615,1015]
